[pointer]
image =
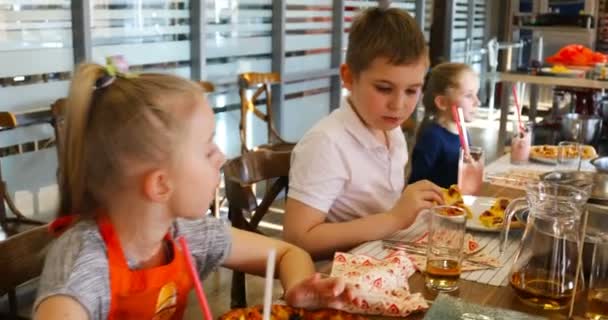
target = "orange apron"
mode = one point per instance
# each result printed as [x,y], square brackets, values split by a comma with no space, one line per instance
[158,293]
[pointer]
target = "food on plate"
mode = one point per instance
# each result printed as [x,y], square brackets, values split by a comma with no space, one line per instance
[588,152]
[493,217]
[544,151]
[559,68]
[453,197]
[550,152]
[283,312]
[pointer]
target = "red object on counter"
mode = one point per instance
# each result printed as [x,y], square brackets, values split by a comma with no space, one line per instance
[577,55]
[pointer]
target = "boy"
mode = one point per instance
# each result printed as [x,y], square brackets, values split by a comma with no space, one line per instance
[347,172]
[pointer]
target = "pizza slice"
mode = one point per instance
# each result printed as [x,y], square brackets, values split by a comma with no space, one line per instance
[283,312]
[490,220]
[544,151]
[453,197]
[493,218]
[588,152]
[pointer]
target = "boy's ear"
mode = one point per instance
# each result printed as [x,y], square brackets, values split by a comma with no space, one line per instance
[441,102]
[347,76]
[156,186]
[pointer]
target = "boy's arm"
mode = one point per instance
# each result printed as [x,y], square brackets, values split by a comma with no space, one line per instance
[306,227]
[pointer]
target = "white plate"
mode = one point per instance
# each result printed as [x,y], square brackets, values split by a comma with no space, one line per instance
[478,205]
[569,73]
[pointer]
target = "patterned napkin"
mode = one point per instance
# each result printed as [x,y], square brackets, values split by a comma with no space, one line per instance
[380,286]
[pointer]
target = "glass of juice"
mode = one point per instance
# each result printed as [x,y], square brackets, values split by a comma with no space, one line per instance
[521,143]
[597,296]
[470,171]
[444,251]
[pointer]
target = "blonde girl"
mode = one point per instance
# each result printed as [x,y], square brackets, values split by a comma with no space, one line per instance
[139,168]
[435,155]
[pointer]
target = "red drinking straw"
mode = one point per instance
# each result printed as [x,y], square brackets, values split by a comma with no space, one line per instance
[521,125]
[200,294]
[459,127]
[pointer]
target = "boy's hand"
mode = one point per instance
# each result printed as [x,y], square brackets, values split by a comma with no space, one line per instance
[315,293]
[415,198]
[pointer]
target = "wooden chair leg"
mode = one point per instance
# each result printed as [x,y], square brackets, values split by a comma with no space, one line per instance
[13,308]
[238,293]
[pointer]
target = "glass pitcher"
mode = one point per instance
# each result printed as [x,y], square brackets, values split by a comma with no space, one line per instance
[545,265]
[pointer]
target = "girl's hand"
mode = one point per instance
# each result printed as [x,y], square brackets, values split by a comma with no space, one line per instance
[316,293]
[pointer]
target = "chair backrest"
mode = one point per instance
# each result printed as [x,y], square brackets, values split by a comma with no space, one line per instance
[207,86]
[248,169]
[262,82]
[7,120]
[22,257]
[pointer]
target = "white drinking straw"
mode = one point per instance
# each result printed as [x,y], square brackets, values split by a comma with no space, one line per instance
[270,262]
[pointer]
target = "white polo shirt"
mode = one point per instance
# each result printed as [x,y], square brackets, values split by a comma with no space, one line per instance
[339,168]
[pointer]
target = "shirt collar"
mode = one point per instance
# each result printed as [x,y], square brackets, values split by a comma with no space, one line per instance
[355,126]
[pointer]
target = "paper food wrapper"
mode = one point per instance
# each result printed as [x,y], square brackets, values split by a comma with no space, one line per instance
[380,287]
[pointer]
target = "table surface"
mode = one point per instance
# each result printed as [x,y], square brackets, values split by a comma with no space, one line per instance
[488,295]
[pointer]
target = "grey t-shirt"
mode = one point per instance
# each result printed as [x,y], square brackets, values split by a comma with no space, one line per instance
[77,263]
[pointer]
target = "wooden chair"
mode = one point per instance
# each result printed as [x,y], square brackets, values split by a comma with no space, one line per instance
[217,199]
[207,86]
[7,121]
[22,257]
[239,175]
[58,111]
[263,82]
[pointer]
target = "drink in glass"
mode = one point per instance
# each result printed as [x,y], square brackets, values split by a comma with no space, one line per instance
[521,143]
[470,171]
[444,252]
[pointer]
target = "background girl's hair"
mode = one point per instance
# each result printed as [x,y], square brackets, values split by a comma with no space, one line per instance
[132,120]
[437,82]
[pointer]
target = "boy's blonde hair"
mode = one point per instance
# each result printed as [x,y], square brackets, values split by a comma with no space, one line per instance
[390,33]
[114,120]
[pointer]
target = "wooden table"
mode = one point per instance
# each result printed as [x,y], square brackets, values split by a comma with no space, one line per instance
[500,297]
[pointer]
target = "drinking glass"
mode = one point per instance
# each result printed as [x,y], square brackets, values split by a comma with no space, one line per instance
[470,171]
[521,144]
[444,251]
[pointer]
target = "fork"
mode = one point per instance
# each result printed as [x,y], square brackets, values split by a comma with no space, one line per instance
[415,245]
[422,251]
